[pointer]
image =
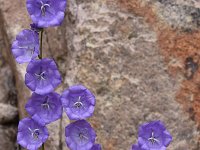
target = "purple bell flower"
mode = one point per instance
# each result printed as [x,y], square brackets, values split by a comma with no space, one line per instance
[96,147]
[80,135]
[154,136]
[42,76]
[78,102]
[26,46]
[46,13]
[44,108]
[137,147]
[31,135]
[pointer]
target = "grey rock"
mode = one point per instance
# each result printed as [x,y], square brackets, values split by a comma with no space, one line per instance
[8,137]
[116,55]
[8,101]
[179,14]
[7,87]
[8,113]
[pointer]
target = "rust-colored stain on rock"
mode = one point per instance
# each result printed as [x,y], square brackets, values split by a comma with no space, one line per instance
[184,47]
[181,51]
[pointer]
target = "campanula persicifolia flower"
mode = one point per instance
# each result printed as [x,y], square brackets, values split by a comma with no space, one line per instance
[137,147]
[46,13]
[31,135]
[44,108]
[154,136]
[78,102]
[80,135]
[96,147]
[26,46]
[42,76]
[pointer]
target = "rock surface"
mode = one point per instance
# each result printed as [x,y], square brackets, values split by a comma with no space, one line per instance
[7,136]
[8,102]
[8,113]
[133,54]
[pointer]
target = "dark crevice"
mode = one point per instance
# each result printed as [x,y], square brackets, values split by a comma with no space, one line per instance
[60,134]
[6,55]
[8,64]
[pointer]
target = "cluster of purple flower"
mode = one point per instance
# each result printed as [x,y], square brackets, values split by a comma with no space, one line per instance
[46,106]
[152,136]
[78,103]
[42,77]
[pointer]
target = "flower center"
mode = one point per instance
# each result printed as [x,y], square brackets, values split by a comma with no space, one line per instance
[45,105]
[35,133]
[78,104]
[153,139]
[43,8]
[82,136]
[40,76]
[30,49]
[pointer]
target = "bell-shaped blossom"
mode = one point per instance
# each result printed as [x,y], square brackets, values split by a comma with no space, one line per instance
[26,46]
[31,135]
[78,102]
[46,13]
[96,147]
[154,136]
[137,147]
[42,76]
[80,135]
[44,108]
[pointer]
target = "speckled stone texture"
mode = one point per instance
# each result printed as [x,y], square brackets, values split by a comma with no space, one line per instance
[138,58]
[8,102]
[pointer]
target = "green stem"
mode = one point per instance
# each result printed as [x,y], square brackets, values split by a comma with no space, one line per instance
[41,35]
[19,147]
[40,57]
[43,146]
